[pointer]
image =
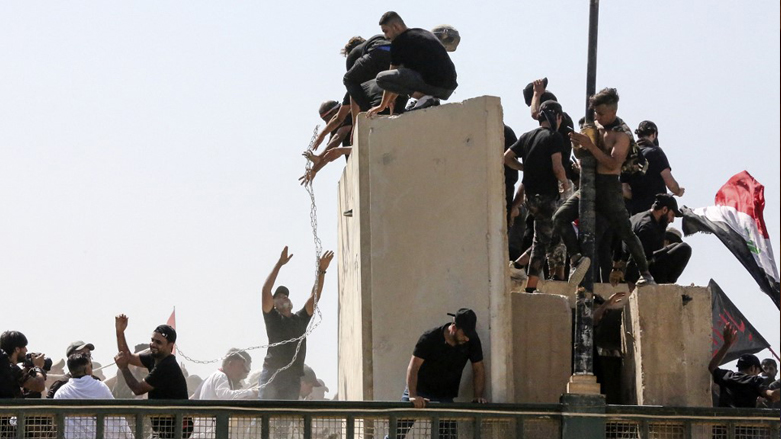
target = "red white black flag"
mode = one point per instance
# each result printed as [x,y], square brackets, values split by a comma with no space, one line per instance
[749,341]
[737,221]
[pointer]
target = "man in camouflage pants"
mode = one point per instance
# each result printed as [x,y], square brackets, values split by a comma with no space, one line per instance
[543,178]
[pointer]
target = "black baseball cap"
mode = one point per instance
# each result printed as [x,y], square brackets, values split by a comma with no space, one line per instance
[168,332]
[748,360]
[528,92]
[466,320]
[667,200]
[281,290]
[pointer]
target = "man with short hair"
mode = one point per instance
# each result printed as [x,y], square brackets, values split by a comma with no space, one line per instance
[438,360]
[165,379]
[543,180]
[665,262]
[82,385]
[640,189]
[14,379]
[613,142]
[281,375]
[741,388]
[77,347]
[420,66]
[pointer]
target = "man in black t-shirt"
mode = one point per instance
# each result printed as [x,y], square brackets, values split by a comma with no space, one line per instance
[420,66]
[543,173]
[281,374]
[741,388]
[666,262]
[434,371]
[642,188]
[165,379]
[13,379]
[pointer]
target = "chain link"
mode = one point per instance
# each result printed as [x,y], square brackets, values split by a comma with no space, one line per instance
[317,316]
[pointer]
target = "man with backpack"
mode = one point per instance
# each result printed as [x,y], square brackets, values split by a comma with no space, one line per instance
[614,141]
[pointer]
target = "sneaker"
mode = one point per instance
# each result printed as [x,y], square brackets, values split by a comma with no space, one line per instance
[424,102]
[517,274]
[410,104]
[645,280]
[578,270]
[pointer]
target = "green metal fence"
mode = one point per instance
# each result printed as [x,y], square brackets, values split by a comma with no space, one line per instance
[130,419]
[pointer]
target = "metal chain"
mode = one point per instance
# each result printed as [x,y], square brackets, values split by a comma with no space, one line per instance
[317,315]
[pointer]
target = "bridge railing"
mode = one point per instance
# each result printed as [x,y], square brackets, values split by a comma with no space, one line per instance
[136,419]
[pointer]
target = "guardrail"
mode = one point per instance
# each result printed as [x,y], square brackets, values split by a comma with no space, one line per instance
[125,419]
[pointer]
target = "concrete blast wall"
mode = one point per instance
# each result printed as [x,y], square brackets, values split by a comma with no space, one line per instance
[667,345]
[422,233]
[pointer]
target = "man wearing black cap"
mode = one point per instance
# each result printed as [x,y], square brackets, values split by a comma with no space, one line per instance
[434,371]
[665,262]
[641,188]
[281,375]
[165,379]
[741,388]
[543,179]
[77,347]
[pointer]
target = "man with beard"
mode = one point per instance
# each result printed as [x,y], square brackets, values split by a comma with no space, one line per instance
[283,366]
[165,379]
[666,263]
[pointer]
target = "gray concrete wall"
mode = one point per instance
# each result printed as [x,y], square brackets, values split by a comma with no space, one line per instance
[542,340]
[427,237]
[668,346]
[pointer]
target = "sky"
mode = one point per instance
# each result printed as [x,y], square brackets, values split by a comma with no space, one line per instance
[150,150]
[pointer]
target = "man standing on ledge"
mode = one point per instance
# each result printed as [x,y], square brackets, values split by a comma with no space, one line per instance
[420,66]
[282,325]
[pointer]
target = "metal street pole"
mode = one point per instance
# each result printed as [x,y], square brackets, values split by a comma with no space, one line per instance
[583,380]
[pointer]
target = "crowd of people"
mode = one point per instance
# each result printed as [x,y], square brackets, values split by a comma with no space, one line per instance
[408,69]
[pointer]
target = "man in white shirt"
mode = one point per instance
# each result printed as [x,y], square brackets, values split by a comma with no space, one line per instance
[83,386]
[224,384]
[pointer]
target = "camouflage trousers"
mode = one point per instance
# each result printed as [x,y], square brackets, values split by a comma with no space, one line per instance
[547,243]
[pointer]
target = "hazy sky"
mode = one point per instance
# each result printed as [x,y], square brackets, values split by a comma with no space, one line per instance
[149,151]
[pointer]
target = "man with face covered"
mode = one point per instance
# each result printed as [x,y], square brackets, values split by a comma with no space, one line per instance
[277,380]
[666,263]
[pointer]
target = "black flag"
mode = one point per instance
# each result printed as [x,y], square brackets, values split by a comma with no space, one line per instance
[749,341]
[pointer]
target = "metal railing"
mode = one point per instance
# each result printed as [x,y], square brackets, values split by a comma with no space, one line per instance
[130,419]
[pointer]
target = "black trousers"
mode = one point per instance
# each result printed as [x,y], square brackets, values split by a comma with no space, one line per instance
[667,264]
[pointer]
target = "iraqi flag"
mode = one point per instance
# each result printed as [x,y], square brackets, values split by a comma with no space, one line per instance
[737,221]
[749,340]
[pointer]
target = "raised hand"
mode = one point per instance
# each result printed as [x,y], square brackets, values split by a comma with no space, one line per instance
[284,258]
[120,322]
[325,260]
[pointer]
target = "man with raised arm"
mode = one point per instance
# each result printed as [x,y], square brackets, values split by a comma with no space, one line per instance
[741,388]
[165,379]
[282,367]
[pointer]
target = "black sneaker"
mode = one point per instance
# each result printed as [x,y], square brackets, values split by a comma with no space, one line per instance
[645,280]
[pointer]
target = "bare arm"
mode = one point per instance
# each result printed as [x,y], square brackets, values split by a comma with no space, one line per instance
[35,383]
[267,299]
[616,300]
[511,160]
[335,121]
[626,190]
[772,395]
[539,89]
[559,172]
[317,289]
[341,134]
[478,379]
[412,381]
[387,99]
[672,183]
[612,162]
[730,335]
[120,324]
[328,157]
[137,387]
